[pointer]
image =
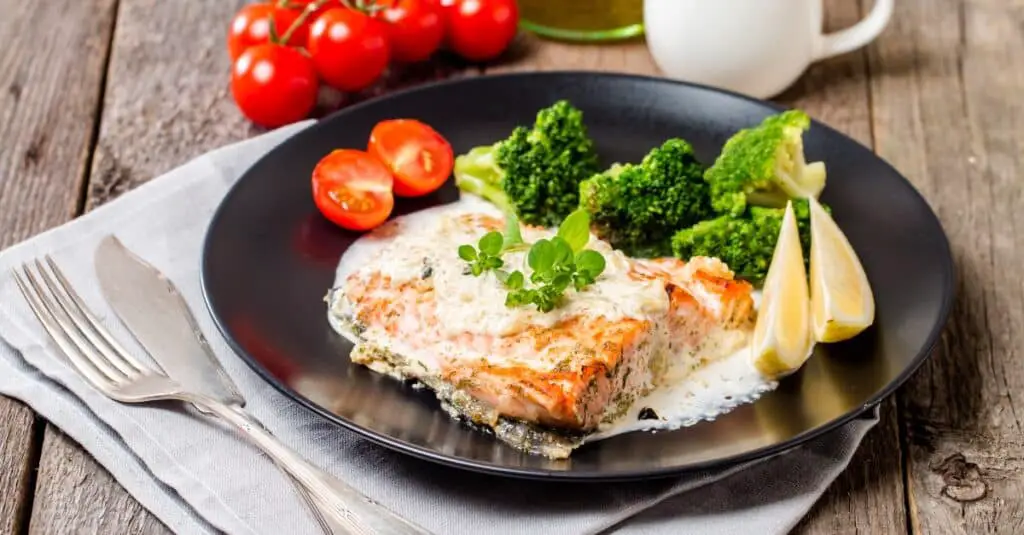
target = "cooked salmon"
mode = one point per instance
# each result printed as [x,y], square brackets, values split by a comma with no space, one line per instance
[415,312]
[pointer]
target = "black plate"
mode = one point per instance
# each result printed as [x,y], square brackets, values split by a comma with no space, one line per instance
[269,259]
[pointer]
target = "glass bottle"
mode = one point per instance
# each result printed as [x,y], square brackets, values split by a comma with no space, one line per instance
[583,20]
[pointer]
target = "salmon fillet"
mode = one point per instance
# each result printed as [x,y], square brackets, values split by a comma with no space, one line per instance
[415,313]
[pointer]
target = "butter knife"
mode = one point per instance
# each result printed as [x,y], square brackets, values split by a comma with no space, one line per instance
[157,315]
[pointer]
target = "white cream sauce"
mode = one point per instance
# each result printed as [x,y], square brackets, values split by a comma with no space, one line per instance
[467,304]
[476,304]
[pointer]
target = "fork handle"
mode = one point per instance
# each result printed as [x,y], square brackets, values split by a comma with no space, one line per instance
[345,508]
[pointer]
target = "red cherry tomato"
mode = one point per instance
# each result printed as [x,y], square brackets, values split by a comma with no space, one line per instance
[420,158]
[353,189]
[480,30]
[349,49]
[251,26]
[274,85]
[415,28]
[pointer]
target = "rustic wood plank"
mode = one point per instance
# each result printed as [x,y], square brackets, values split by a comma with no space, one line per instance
[49,92]
[17,461]
[80,497]
[946,83]
[531,53]
[168,97]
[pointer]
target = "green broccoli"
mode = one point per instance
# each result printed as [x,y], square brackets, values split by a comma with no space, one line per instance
[536,172]
[637,207]
[745,242]
[765,166]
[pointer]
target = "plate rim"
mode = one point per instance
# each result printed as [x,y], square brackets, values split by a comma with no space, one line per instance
[948,266]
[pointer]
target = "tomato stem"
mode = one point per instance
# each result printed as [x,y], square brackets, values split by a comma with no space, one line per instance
[368,7]
[310,9]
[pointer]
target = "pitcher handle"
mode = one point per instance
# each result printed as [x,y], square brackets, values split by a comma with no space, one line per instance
[858,35]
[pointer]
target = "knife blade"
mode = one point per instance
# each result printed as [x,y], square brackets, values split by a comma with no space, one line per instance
[159,318]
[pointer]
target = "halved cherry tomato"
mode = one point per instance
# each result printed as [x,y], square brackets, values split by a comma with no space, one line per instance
[353,189]
[251,27]
[419,157]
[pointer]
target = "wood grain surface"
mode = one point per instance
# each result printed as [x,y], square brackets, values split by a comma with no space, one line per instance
[946,88]
[50,83]
[938,95]
[75,495]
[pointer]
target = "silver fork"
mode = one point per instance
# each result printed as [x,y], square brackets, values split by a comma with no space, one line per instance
[112,370]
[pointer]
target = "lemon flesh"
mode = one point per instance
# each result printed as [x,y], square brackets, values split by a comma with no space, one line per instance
[782,339]
[842,304]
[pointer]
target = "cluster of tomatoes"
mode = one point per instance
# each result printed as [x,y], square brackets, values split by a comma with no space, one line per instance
[282,50]
[356,189]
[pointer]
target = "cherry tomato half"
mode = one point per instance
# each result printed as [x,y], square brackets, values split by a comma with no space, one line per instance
[415,28]
[251,26]
[419,158]
[274,85]
[353,189]
[349,49]
[480,30]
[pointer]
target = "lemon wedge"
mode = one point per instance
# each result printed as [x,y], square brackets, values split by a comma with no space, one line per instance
[782,339]
[842,304]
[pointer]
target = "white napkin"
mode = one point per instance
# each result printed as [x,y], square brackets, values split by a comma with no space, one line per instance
[199,477]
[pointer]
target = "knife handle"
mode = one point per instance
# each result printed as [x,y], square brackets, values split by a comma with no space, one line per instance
[342,506]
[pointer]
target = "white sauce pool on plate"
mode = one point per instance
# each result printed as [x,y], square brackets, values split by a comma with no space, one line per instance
[704,394]
[701,394]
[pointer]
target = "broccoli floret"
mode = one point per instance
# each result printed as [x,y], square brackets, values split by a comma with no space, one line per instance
[537,171]
[765,166]
[637,207]
[744,242]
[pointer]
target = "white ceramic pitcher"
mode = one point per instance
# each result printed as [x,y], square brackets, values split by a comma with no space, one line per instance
[754,47]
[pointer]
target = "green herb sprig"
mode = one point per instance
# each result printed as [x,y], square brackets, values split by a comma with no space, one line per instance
[486,255]
[556,263]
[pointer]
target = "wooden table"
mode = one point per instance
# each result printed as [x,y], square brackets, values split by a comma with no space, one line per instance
[98,96]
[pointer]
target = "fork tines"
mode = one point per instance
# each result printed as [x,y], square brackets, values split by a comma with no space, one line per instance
[73,327]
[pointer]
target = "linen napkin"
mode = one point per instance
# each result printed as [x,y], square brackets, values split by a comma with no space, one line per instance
[198,477]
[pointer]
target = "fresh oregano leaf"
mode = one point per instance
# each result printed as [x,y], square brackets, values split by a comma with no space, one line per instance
[562,251]
[590,262]
[515,280]
[541,256]
[490,244]
[575,230]
[467,253]
[560,283]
